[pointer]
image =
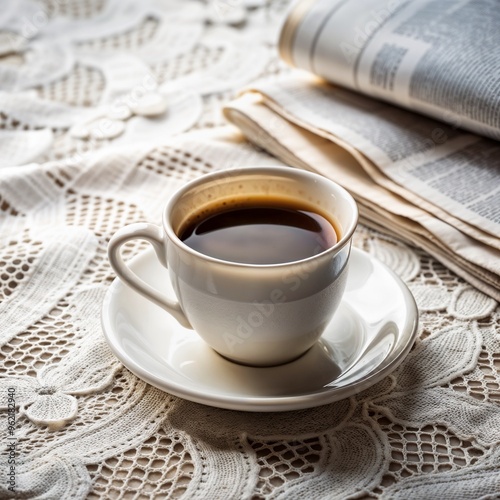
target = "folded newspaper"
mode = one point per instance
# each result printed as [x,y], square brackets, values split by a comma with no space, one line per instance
[375,68]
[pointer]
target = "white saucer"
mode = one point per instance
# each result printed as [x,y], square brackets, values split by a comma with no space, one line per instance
[369,336]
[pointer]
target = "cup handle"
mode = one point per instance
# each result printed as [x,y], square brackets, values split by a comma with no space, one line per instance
[154,235]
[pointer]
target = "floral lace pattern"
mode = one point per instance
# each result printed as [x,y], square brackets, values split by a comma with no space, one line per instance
[94,98]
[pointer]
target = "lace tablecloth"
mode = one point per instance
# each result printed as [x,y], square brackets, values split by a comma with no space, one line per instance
[86,147]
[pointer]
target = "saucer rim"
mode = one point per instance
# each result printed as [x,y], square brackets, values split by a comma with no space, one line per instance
[323,396]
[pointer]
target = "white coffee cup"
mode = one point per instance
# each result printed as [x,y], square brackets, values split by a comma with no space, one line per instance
[259,315]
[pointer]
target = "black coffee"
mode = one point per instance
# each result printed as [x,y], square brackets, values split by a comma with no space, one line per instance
[262,234]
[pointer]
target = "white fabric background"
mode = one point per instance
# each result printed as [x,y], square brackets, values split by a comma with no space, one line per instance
[86,427]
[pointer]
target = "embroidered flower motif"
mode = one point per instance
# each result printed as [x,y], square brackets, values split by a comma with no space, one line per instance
[42,404]
[49,399]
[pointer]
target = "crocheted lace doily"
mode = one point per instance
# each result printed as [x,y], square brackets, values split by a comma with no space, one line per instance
[85,427]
